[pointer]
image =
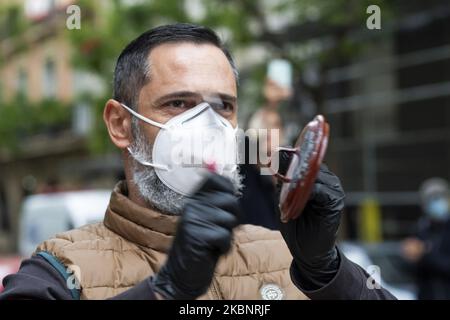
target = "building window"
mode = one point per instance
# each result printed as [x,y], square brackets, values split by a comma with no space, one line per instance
[49,79]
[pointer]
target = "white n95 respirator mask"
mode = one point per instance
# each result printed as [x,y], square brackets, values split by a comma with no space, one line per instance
[188,145]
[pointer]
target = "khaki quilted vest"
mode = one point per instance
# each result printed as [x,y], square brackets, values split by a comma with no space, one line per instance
[132,243]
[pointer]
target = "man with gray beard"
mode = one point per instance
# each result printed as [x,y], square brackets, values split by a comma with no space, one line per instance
[172,228]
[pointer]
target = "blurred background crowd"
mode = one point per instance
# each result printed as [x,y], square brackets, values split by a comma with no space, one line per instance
[385,93]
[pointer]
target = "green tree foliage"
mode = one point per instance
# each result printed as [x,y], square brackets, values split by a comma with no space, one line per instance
[20,120]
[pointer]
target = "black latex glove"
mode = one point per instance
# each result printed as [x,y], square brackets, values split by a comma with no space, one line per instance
[311,237]
[203,234]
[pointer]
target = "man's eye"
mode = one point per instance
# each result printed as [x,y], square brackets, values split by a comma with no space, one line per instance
[223,106]
[177,104]
[228,106]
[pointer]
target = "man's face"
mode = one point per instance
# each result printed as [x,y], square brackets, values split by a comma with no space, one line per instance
[181,76]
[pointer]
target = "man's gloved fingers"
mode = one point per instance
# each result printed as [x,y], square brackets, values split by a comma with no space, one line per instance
[326,196]
[199,212]
[327,177]
[327,187]
[221,200]
[324,193]
[215,182]
[324,167]
[218,238]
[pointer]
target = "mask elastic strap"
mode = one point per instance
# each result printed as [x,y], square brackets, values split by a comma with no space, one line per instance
[145,163]
[141,117]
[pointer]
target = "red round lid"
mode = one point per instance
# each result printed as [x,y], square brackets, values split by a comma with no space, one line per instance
[304,166]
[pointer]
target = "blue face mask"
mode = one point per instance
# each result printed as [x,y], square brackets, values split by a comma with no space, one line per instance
[438,208]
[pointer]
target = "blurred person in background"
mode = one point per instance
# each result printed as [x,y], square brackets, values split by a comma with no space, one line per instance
[259,199]
[268,116]
[172,232]
[429,251]
[51,185]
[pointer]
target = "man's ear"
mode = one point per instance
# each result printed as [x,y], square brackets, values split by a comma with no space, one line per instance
[118,122]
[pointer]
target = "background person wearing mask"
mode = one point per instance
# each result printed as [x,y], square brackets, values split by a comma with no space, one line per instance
[430,250]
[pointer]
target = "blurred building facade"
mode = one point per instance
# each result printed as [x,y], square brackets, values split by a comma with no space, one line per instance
[35,66]
[43,69]
[390,116]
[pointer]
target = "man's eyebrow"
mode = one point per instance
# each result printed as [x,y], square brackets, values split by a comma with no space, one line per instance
[176,95]
[191,94]
[227,97]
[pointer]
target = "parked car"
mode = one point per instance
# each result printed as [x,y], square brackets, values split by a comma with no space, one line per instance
[44,215]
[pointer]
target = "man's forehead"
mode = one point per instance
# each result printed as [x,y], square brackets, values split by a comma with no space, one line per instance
[193,67]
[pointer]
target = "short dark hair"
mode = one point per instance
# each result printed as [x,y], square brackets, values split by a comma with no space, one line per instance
[132,70]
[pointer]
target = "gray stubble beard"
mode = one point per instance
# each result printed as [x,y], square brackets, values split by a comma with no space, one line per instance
[154,192]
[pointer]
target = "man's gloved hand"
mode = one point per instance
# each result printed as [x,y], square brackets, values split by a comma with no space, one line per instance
[311,237]
[204,233]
